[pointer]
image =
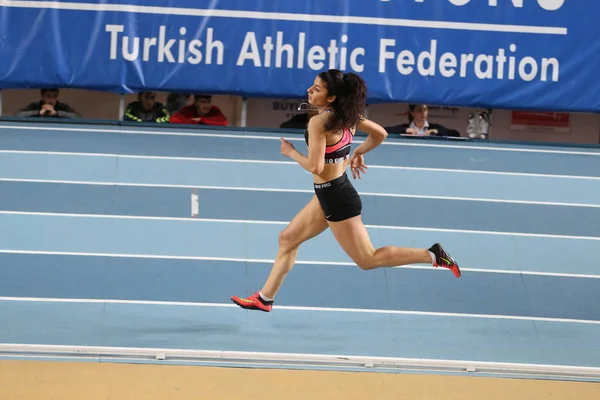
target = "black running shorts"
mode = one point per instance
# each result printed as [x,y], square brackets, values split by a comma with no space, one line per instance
[339,199]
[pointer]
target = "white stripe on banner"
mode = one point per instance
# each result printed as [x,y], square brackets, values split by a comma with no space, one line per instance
[277,16]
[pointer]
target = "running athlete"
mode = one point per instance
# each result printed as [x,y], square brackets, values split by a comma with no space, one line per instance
[340,99]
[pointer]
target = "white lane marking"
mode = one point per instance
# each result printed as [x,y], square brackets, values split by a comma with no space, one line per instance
[223,135]
[299,262]
[283,162]
[308,191]
[302,308]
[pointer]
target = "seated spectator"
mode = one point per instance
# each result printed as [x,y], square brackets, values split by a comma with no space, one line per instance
[48,106]
[146,109]
[202,112]
[418,124]
[298,121]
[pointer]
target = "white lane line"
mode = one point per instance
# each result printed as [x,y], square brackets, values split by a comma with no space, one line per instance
[269,222]
[302,308]
[307,191]
[299,262]
[223,135]
[283,162]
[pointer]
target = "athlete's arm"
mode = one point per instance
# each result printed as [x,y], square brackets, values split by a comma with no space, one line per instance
[315,161]
[376,135]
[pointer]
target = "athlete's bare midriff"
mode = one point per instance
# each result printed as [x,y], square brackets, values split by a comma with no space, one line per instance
[331,172]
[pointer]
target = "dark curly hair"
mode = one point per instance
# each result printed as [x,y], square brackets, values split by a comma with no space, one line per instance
[350,92]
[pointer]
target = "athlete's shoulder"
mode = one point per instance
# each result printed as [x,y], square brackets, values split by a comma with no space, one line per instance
[318,121]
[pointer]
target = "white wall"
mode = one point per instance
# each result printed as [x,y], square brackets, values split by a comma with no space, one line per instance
[583,129]
[270,113]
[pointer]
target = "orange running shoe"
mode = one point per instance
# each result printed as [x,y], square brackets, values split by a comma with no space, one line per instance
[444,260]
[254,302]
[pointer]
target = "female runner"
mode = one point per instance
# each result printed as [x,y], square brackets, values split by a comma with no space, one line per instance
[340,99]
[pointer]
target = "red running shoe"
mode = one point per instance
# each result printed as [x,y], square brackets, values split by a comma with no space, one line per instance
[254,302]
[444,259]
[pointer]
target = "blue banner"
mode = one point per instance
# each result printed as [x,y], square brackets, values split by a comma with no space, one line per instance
[513,54]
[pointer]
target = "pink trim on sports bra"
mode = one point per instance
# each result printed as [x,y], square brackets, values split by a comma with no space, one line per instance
[338,152]
[344,141]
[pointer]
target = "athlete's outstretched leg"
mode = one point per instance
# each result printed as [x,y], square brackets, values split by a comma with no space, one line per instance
[352,235]
[308,223]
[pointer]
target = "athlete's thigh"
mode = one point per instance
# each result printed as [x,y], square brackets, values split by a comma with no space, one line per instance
[354,239]
[308,223]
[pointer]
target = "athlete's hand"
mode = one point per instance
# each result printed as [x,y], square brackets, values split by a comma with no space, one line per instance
[286,147]
[357,165]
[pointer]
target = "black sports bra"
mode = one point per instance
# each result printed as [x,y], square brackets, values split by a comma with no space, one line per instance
[338,152]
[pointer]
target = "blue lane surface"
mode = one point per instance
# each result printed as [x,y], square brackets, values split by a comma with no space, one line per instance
[282,206]
[290,176]
[313,286]
[193,238]
[410,154]
[289,331]
[222,327]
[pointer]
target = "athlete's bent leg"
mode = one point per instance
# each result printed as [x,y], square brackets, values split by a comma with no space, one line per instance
[308,223]
[352,235]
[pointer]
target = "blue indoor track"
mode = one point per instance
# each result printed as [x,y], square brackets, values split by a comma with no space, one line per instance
[103,256]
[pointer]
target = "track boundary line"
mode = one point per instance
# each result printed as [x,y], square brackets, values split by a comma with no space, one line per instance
[304,359]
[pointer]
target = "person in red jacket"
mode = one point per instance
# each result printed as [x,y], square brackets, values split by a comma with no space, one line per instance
[202,112]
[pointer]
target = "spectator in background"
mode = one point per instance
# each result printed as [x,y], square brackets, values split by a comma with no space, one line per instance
[176,101]
[418,124]
[146,109]
[298,121]
[48,106]
[201,112]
